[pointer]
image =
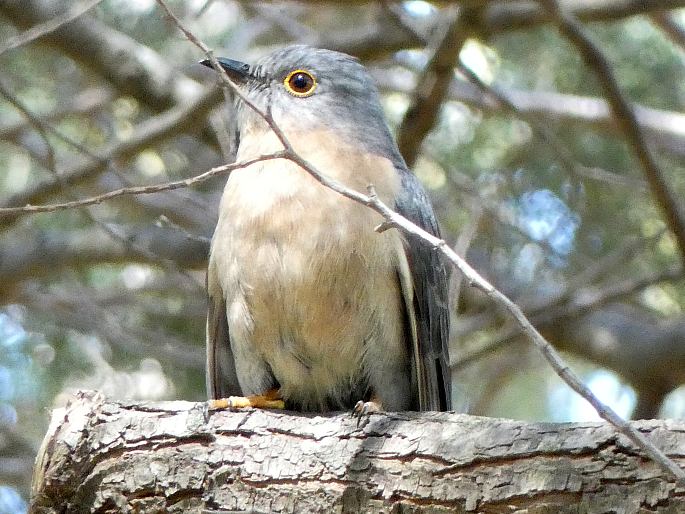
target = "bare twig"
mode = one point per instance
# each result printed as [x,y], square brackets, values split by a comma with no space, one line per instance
[164,221]
[147,133]
[47,27]
[41,127]
[625,116]
[583,302]
[137,190]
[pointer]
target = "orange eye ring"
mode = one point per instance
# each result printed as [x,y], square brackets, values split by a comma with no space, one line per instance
[300,83]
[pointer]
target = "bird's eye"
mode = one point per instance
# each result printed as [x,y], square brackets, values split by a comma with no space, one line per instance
[300,83]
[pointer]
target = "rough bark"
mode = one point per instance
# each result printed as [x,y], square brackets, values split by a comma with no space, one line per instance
[101,456]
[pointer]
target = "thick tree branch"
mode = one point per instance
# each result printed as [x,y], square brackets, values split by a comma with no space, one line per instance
[387,36]
[36,254]
[178,457]
[665,129]
[622,337]
[432,88]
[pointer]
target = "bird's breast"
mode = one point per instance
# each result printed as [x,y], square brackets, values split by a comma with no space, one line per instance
[307,281]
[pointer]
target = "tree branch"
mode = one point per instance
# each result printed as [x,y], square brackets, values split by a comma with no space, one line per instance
[178,457]
[131,67]
[48,26]
[626,119]
[507,16]
[147,133]
[666,22]
[432,87]
[582,302]
[387,36]
[35,254]
[666,129]
[87,317]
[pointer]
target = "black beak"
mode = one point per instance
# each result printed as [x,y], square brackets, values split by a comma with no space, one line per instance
[236,70]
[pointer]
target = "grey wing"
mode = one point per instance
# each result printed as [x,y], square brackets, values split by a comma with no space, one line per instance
[222,380]
[429,277]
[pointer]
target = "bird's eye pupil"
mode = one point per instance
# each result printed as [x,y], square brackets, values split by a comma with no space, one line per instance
[300,83]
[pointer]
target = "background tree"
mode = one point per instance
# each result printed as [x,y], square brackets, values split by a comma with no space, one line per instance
[506,117]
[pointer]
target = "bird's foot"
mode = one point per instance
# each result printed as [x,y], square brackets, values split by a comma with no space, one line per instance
[269,400]
[364,409]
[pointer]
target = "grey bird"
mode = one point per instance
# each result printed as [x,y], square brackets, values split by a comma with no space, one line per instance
[309,307]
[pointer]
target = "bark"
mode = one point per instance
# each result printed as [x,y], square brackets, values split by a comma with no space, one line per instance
[101,456]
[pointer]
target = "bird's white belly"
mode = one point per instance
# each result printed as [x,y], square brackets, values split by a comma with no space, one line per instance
[309,285]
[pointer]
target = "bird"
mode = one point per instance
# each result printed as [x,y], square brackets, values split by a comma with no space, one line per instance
[310,308]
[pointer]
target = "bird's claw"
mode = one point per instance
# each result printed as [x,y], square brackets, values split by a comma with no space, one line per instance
[364,409]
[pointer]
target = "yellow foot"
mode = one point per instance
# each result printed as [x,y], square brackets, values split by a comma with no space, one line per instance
[269,400]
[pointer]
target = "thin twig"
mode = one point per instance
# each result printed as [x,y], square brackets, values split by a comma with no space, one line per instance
[164,221]
[137,190]
[49,26]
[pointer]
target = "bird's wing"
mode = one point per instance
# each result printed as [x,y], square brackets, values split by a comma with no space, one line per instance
[429,299]
[222,380]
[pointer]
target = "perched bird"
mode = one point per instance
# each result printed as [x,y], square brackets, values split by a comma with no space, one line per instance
[309,307]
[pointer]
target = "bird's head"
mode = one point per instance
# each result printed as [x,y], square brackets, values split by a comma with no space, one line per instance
[310,88]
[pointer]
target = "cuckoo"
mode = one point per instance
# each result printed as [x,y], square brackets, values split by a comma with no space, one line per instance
[310,308]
